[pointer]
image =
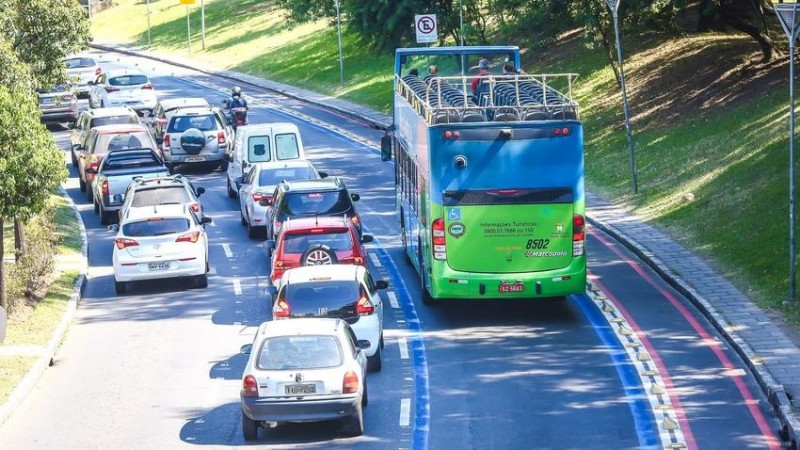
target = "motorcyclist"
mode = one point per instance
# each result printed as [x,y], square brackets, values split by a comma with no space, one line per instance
[237,99]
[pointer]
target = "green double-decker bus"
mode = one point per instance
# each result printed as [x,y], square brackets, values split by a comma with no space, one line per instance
[489,175]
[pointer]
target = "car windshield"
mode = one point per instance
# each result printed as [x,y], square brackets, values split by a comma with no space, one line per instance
[286,146]
[79,63]
[57,88]
[128,80]
[114,120]
[332,298]
[299,352]
[131,160]
[331,203]
[115,141]
[205,122]
[271,177]
[299,243]
[161,195]
[155,227]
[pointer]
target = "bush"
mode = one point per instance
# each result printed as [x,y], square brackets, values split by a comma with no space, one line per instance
[28,277]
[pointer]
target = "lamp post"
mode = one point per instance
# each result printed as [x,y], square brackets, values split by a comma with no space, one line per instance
[339,33]
[203,22]
[461,23]
[148,23]
[613,5]
[790,22]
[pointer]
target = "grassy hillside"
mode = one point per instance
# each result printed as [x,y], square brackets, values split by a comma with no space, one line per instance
[710,121]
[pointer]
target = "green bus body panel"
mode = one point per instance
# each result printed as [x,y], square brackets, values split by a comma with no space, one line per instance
[509,238]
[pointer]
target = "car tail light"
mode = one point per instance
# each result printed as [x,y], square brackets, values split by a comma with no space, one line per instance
[94,162]
[578,235]
[162,121]
[195,207]
[98,71]
[220,137]
[125,243]
[364,307]
[358,260]
[189,237]
[249,386]
[148,86]
[355,219]
[257,196]
[110,89]
[438,240]
[104,188]
[350,383]
[165,143]
[281,309]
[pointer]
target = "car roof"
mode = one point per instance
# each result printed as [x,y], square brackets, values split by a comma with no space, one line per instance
[305,274]
[110,111]
[192,110]
[172,103]
[172,180]
[306,223]
[137,213]
[285,164]
[325,184]
[300,326]
[266,128]
[120,128]
[111,73]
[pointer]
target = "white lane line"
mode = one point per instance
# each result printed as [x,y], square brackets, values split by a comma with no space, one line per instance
[375,261]
[393,299]
[227,249]
[403,343]
[237,286]
[405,412]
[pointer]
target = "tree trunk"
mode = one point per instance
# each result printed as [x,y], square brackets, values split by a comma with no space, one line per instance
[20,244]
[607,46]
[3,301]
[767,46]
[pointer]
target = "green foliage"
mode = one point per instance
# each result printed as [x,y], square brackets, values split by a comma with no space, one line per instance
[29,275]
[13,72]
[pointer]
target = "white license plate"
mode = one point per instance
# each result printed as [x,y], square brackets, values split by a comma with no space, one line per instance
[301,389]
[158,266]
[47,100]
[195,158]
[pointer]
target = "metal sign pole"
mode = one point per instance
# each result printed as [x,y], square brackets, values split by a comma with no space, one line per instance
[790,22]
[148,23]
[339,33]
[613,5]
[203,22]
[188,29]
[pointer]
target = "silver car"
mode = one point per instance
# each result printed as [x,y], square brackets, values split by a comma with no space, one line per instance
[59,105]
[196,135]
[82,70]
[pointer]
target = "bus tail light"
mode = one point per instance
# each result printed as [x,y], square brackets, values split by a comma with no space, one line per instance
[438,240]
[578,235]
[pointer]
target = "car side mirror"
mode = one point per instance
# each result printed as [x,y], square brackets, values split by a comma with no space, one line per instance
[265,202]
[367,238]
[113,227]
[247,348]
[355,197]
[199,191]
[76,147]
[381,284]
[272,291]
[239,181]
[206,220]
[386,147]
[363,344]
[323,175]
[118,198]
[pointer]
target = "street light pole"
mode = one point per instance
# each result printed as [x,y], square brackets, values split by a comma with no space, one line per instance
[790,22]
[203,22]
[339,33]
[188,29]
[148,23]
[461,20]
[613,5]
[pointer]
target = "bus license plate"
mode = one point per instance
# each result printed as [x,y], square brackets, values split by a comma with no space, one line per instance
[158,266]
[301,389]
[506,288]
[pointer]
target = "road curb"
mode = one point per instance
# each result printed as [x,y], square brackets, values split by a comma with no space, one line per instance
[45,360]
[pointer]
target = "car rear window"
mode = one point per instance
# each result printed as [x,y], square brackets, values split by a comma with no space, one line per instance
[300,242]
[79,63]
[152,227]
[333,298]
[134,139]
[286,146]
[271,177]
[161,195]
[204,122]
[299,352]
[113,120]
[128,80]
[132,160]
[329,203]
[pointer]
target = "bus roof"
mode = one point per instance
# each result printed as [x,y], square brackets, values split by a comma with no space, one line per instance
[465,50]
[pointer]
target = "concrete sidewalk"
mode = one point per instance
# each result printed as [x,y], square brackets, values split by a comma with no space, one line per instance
[771,355]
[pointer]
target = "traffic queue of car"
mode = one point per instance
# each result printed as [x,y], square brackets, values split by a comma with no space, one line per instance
[126,150]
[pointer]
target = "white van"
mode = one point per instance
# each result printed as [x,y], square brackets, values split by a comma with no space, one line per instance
[263,142]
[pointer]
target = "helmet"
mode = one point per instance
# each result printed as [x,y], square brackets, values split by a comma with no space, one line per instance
[236,91]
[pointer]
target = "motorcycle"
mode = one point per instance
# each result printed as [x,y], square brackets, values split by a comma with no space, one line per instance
[237,115]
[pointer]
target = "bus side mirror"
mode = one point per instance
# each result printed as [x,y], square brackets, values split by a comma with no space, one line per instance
[386,147]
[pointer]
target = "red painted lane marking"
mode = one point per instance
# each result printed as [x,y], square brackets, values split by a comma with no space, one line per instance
[748,397]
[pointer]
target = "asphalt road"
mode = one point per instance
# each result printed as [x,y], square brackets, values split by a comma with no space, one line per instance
[629,365]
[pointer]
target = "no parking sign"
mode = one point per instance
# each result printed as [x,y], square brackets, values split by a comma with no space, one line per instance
[426,28]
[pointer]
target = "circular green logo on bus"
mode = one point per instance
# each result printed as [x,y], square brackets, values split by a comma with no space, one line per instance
[457,229]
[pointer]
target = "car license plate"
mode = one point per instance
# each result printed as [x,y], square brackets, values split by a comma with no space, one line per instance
[506,288]
[158,266]
[195,158]
[301,389]
[47,100]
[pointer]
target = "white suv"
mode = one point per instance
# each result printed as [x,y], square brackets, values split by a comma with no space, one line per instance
[123,87]
[342,291]
[157,242]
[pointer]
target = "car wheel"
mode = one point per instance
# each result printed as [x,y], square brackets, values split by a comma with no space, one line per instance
[97,210]
[231,192]
[89,194]
[374,362]
[74,159]
[120,287]
[365,397]
[249,428]
[318,255]
[81,184]
[223,166]
[241,218]
[201,281]
[252,232]
[170,168]
[354,425]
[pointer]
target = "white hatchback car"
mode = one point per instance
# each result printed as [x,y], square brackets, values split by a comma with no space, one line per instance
[304,370]
[157,242]
[342,291]
[123,87]
[260,183]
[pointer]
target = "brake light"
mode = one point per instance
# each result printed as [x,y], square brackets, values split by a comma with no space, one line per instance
[220,137]
[165,143]
[281,309]
[125,243]
[148,86]
[110,89]
[355,219]
[257,196]
[195,207]
[249,386]
[94,162]
[189,237]
[104,187]
[358,260]
[438,240]
[350,383]
[364,307]
[578,235]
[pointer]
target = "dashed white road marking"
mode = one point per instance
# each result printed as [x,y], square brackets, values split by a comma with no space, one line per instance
[393,299]
[405,412]
[227,249]
[375,261]
[403,343]
[237,286]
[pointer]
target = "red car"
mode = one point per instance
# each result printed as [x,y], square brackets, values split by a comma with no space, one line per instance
[311,241]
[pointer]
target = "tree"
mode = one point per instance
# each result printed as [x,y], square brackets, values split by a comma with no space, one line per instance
[742,15]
